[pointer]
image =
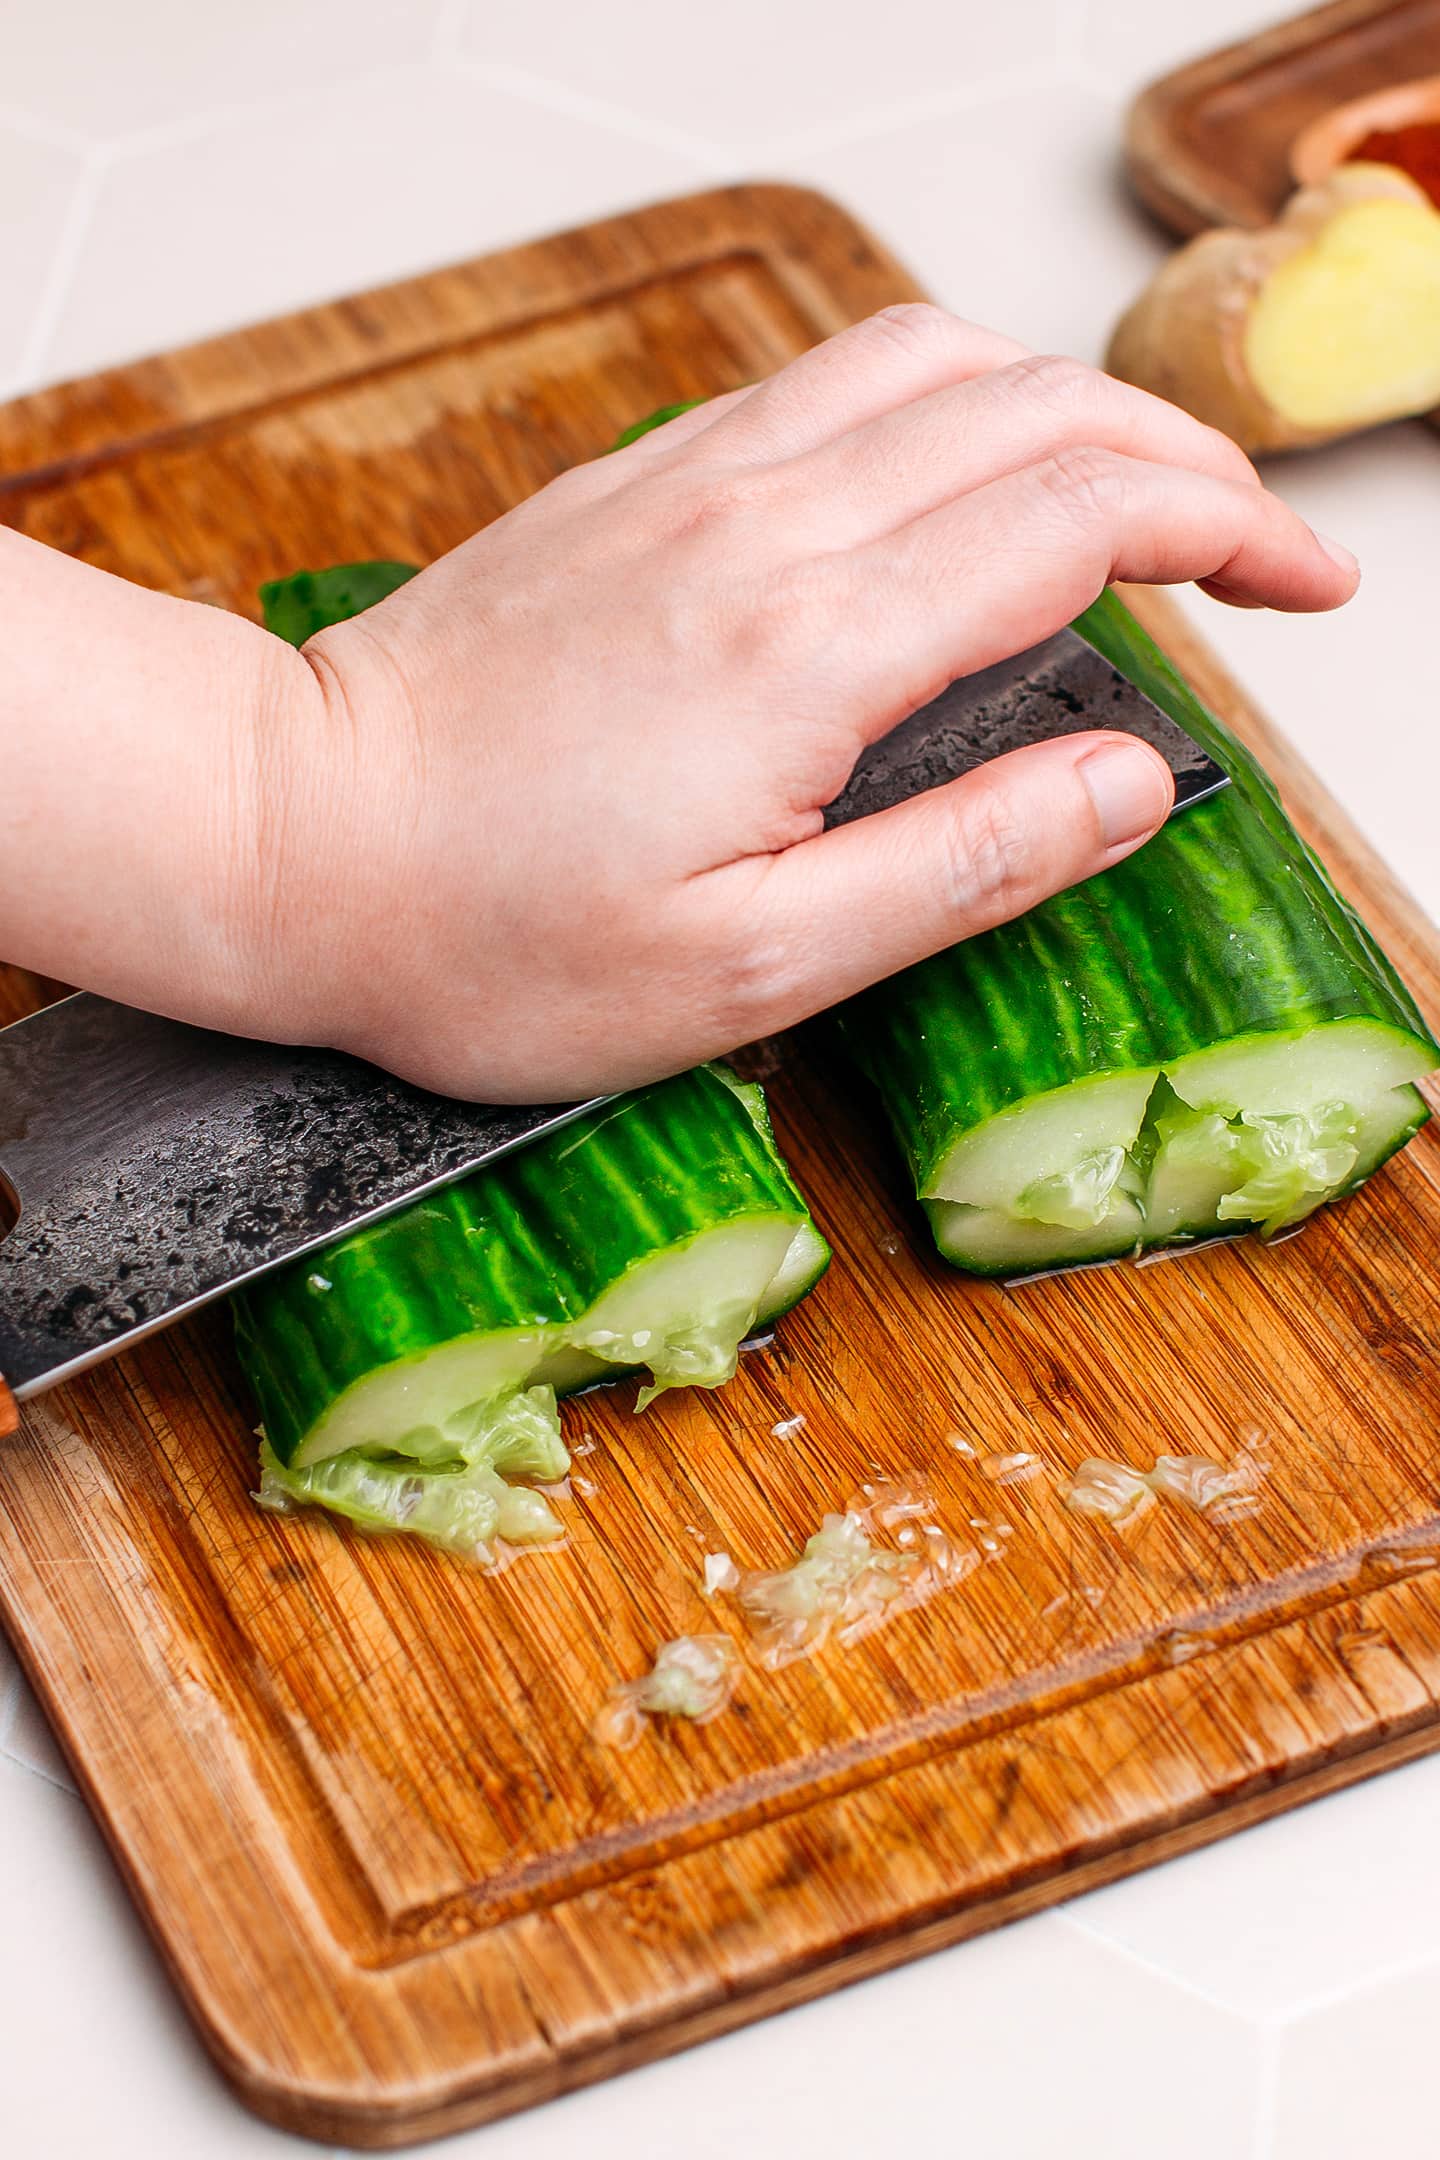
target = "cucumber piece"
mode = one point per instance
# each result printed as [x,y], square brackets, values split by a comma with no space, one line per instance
[658,418]
[399,1370]
[296,607]
[1204,1038]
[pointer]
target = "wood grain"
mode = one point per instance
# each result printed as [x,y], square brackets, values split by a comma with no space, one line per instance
[1210,143]
[351,1785]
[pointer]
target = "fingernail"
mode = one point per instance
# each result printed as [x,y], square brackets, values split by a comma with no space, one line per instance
[1128,787]
[1340,556]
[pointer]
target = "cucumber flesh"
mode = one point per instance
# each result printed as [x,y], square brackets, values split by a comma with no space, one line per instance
[407,1371]
[1048,1136]
[460,1502]
[806,1258]
[991,1241]
[1277,1075]
[1209,1152]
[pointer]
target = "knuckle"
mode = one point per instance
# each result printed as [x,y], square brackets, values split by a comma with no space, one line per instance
[714,500]
[916,326]
[1231,460]
[745,974]
[1058,380]
[780,615]
[578,483]
[992,860]
[1088,483]
[747,993]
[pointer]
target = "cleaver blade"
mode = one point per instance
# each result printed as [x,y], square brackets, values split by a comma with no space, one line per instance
[147,1167]
[1061,687]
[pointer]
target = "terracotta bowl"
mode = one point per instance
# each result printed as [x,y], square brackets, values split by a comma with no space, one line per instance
[1329,140]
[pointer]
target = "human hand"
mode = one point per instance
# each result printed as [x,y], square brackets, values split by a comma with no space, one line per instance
[568,834]
[548,821]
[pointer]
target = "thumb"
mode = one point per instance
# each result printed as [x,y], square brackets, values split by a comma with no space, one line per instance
[831,915]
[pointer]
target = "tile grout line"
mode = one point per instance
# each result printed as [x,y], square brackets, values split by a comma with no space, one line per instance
[1419,1962]
[1156,1971]
[195,126]
[9,1706]
[557,97]
[30,1769]
[60,277]
[51,134]
[938,104]
[1267,2106]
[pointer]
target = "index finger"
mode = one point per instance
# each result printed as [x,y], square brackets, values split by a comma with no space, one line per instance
[890,359]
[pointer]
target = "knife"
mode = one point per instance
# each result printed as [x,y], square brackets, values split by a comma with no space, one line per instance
[147,1167]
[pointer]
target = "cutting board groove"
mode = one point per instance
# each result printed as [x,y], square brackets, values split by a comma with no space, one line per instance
[352,1786]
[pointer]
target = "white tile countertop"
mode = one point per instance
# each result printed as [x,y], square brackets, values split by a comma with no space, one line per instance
[168,170]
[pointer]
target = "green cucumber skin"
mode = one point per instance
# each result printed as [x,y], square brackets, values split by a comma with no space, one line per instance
[1223,925]
[1109,626]
[658,418]
[296,607]
[529,1242]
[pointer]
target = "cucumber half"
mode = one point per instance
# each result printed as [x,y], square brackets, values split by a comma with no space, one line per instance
[1203,1040]
[406,1371]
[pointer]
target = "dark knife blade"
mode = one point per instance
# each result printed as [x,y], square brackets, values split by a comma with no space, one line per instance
[158,1166]
[1058,688]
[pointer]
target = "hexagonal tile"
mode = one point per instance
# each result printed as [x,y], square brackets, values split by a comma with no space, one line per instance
[1129,41]
[1357,2077]
[1011,211]
[28,1740]
[98,2056]
[37,186]
[328,194]
[1026,2042]
[9,1689]
[762,73]
[111,70]
[1321,1899]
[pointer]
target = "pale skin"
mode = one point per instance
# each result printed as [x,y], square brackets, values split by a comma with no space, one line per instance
[548,821]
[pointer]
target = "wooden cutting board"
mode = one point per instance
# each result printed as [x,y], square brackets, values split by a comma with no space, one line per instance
[352,1784]
[1210,143]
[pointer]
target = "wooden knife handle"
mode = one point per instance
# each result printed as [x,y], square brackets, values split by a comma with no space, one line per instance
[9,1411]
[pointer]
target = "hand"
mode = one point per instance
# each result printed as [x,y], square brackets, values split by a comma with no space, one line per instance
[549,820]
[569,835]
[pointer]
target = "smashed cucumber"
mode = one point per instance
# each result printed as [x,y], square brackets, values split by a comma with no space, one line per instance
[1203,1040]
[403,1372]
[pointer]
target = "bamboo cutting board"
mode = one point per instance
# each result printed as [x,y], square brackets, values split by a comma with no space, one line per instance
[351,1784]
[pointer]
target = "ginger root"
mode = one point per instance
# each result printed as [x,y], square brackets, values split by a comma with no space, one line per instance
[1322,323]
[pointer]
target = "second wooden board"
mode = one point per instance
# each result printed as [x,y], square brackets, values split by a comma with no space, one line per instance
[1210,143]
[354,1786]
